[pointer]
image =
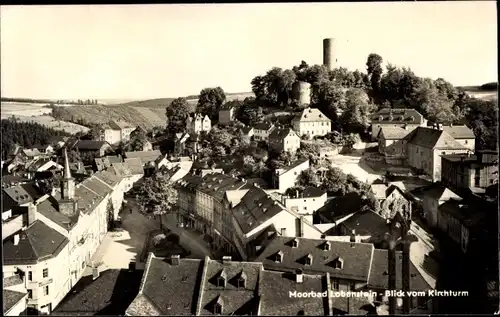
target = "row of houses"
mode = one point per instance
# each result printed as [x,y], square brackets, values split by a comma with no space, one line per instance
[54,236]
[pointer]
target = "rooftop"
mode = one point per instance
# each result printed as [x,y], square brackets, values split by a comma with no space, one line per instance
[38,242]
[263,126]
[90,145]
[459,132]
[279,134]
[144,156]
[10,299]
[393,133]
[312,115]
[387,115]
[433,139]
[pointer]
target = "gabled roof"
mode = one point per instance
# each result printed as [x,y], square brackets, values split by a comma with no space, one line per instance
[292,166]
[279,134]
[466,212]
[410,116]
[31,152]
[10,299]
[144,156]
[340,207]
[367,223]
[168,289]
[433,139]
[393,133]
[459,132]
[216,184]
[38,242]
[90,145]
[311,115]
[108,177]
[119,125]
[264,126]
[235,299]
[435,191]
[255,207]
[134,165]
[356,257]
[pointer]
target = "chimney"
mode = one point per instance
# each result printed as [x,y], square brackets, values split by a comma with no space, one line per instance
[31,213]
[16,239]
[175,259]
[226,259]
[299,276]
[323,236]
[95,273]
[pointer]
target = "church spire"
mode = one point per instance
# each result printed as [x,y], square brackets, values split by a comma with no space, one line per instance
[67,172]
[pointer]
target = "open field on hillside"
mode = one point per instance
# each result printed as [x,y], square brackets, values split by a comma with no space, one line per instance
[487,96]
[52,123]
[163,102]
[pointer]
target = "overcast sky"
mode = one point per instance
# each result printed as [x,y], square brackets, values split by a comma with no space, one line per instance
[151,51]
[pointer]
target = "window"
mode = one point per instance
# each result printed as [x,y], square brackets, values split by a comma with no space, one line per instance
[465,142]
[218,309]
[45,273]
[46,290]
[30,276]
[30,294]
[352,286]
[283,231]
[335,284]
[308,260]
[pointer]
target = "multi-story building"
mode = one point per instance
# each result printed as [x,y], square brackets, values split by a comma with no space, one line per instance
[116,132]
[431,198]
[99,148]
[284,140]
[462,134]
[198,123]
[312,122]
[226,114]
[425,146]
[305,202]
[284,178]
[466,170]
[262,131]
[408,119]
[63,231]
[145,156]
[208,287]
[392,144]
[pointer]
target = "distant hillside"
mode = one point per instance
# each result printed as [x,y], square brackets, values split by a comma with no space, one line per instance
[144,113]
[487,91]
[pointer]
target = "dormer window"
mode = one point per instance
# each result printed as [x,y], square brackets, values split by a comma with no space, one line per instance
[326,246]
[380,118]
[279,257]
[221,279]
[218,306]
[338,263]
[242,279]
[308,259]
[295,243]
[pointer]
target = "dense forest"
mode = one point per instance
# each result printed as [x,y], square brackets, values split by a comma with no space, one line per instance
[25,134]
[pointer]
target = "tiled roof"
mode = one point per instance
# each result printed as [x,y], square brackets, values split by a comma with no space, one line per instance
[264,126]
[216,184]
[18,194]
[398,115]
[31,152]
[459,132]
[236,300]
[356,257]
[189,182]
[276,299]
[10,299]
[292,166]
[90,145]
[12,281]
[37,242]
[144,156]
[340,206]
[134,165]
[279,134]
[246,130]
[367,223]
[108,177]
[255,208]
[393,133]
[467,213]
[433,139]
[49,209]
[119,125]
[120,170]
[310,191]
[110,294]
[468,159]
[379,273]
[435,191]
[312,115]
[170,288]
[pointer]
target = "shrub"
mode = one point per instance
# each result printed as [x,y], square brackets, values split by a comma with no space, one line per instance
[159,239]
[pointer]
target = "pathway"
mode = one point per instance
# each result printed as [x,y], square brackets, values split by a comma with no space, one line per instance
[350,164]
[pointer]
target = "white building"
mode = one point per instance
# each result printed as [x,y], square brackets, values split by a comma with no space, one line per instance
[284,178]
[116,132]
[305,203]
[312,122]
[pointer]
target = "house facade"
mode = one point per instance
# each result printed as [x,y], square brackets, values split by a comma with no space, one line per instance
[286,177]
[198,123]
[305,202]
[462,134]
[392,144]
[425,146]
[409,119]
[226,115]
[432,197]
[284,140]
[478,170]
[262,131]
[312,122]
[116,132]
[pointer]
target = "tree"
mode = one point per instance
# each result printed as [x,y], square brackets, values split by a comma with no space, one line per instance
[374,70]
[156,196]
[358,109]
[308,178]
[210,101]
[177,113]
[110,214]
[330,99]
[47,185]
